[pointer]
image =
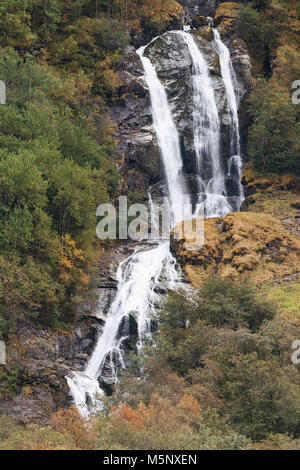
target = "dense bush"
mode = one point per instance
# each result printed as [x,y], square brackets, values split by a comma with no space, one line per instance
[260,35]
[273,136]
[274,132]
[231,360]
[205,385]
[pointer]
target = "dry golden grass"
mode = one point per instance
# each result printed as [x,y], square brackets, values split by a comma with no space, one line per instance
[242,244]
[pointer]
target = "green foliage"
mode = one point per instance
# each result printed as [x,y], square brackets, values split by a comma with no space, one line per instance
[59,60]
[259,33]
[298,11]
[15,23]
[224,303]
[231,373]
[220,303]
[32,437]
[10,379]
[262,398]
[185,323]
[273,133]
[54,173]
[269,30]
[259,5]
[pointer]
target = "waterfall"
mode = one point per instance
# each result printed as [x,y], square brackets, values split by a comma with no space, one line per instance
[153,269]
[142,273]
[168,141]
[139,278]
[206,124]
[230,82]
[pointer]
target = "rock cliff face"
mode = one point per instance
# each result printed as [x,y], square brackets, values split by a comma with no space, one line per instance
[35,384]
[138,152]
[174,67]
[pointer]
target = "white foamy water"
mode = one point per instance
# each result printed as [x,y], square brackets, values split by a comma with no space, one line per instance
[230,82]
[206,124]
[140,275]
[168,141]
[206,120]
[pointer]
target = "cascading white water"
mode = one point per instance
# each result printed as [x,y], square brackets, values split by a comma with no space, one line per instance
[206,121]
[206,124]
[138,278]
[143,272]
[149,270]
[230,82]
[229,79]
[168,141]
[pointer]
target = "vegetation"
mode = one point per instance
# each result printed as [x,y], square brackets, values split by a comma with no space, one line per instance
[53,175]
[220,375]
[58,60]
[270,30]
[206,385]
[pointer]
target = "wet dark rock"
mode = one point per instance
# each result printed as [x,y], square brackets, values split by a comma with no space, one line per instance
[296,205]
[137,151]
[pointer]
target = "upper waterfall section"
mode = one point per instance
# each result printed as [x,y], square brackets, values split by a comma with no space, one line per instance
[174,63]
[140,158]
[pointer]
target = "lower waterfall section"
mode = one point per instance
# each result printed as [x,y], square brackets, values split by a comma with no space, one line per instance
[152,270]
[139,278]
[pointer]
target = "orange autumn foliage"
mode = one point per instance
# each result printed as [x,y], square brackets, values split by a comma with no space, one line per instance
[70,421]
[160,414]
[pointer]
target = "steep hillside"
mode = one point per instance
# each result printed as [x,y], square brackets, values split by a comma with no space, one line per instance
[77,130]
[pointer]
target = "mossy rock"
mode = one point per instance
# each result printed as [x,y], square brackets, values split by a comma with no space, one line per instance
[199,21]
[242,244]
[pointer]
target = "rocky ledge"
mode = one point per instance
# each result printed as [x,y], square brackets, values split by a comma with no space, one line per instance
[240,245]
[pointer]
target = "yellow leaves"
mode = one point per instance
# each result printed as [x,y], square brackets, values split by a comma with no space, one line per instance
[134,417]
[189,405]
[110,79]
[70,250]
[71,262]
[85,279]
[154,10]
[65,262]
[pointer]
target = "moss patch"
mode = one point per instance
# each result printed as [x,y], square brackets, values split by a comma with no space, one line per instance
[288,298]
[205,32]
